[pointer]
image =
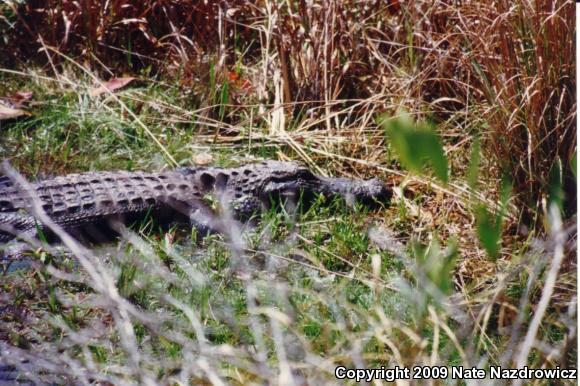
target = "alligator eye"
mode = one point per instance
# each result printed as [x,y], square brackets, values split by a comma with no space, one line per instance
[304,173]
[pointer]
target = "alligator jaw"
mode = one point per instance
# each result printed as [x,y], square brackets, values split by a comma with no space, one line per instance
[370,192]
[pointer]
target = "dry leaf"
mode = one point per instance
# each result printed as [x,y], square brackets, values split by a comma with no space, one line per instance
[110,86]
[240,84]
[7,112]
[17,100]
[202,159]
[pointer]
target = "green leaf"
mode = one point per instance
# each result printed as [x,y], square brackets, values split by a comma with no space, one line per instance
[489,226]
[555,183]
[474,161]
[53,304]
[416,145]
[487,232]
[437,264]
[224,99]
[212,82]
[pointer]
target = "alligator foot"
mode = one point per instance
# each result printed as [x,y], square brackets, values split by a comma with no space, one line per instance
[15,255]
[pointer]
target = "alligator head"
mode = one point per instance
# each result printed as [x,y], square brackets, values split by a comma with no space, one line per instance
[290,179]
[249,188]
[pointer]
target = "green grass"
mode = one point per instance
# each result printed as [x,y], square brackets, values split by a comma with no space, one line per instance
[314,285]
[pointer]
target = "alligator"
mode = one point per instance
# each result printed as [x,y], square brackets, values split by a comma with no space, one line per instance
[90,206]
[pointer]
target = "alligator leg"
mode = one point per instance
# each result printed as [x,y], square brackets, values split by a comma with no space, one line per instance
[14,255]
[198,214]
[14,252]
[204,220]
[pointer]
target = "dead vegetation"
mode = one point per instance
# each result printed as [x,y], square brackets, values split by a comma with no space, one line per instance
[309,80]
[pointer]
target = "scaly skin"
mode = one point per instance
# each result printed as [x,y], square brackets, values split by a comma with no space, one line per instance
[81,203]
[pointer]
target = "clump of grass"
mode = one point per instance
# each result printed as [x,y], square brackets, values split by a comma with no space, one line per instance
[151,314]
[524,59]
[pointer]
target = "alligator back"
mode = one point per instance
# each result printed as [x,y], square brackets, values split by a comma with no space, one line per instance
[79,198]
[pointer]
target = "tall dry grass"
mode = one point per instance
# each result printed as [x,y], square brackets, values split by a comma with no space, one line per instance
[524,59]
[502,68]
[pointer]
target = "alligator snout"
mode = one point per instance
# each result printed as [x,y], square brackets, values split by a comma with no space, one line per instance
[370,192]
[379,190]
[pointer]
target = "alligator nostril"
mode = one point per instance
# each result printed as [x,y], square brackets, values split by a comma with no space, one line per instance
[207,180]
[221,181]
